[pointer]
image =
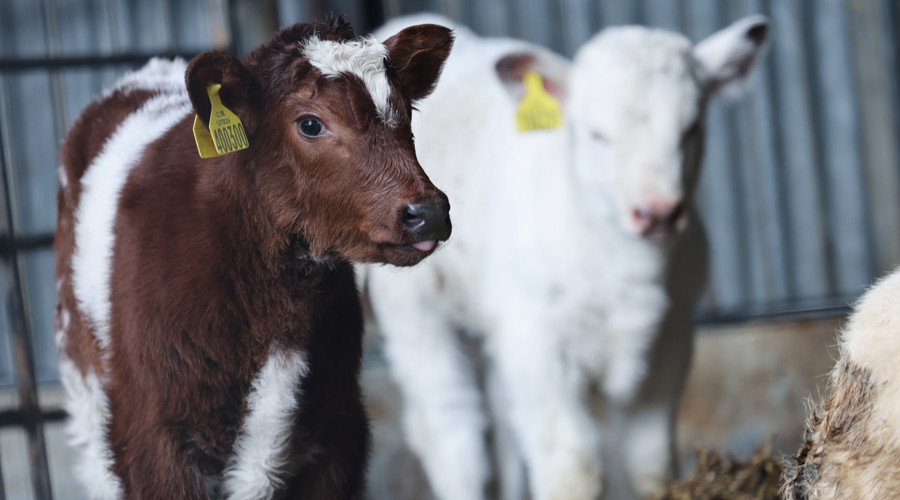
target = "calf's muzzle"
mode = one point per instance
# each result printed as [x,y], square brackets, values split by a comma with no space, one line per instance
[427,221]
[660,221]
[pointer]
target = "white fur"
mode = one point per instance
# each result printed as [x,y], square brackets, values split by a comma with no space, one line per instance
[364,58]
[63,177]
[872,341]
[546,264]
[86,400]
[104,179]
[853,437]
[726,57]
[256,469]
[88,411]
[158,75]
[65,320]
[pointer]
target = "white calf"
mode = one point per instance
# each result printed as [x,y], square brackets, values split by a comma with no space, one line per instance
[576,257]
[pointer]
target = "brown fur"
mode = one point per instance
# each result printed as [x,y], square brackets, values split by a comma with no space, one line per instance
[844,454]
[852,448]
[217,260]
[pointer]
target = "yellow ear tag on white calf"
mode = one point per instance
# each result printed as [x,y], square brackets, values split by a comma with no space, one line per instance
[226,132]
[538,110]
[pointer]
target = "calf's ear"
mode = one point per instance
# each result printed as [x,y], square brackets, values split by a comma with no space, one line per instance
[727,57]
[240,92]
[553,70]
[417,54]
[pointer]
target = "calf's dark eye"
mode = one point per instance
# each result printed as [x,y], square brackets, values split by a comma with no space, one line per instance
[311,127]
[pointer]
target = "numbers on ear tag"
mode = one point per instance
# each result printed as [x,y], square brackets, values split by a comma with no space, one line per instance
[226,132]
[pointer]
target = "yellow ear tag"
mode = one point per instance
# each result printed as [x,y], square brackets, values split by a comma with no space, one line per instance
[204,141]
[538,109]
[226,132]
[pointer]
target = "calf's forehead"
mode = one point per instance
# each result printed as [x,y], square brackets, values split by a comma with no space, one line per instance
[364,58]
[628,77]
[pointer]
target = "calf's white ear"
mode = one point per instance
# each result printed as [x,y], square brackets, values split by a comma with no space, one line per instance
[553,69]
[727,57]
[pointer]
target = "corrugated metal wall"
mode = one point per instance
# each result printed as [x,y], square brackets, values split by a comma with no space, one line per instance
[37,105]
[800,191]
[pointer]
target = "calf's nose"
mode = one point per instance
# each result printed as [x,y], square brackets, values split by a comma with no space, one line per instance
[659,219]
[427,221]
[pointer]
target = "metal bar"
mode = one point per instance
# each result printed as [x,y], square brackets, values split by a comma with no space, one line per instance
[129,58]
[10,418]
[10,273]
[2,167]
[57,96]
[25,243]
[2,486]
[783,312]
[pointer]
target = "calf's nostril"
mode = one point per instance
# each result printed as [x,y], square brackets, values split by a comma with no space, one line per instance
[411,216]
[428,221]
[641,214]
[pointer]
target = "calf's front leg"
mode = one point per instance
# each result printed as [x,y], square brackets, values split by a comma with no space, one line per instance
[547,412]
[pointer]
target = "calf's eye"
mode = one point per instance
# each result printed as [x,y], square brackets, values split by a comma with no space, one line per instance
[311,127]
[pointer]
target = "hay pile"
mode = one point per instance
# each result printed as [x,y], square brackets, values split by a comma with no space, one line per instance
[720,477]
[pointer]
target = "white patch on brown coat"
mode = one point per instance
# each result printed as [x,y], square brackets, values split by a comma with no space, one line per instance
[364,58]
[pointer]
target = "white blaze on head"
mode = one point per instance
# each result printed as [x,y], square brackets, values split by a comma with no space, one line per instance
[364,58]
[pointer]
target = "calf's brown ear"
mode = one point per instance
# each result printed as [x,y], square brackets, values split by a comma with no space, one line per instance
[417,54]
[553,70]
[240,92]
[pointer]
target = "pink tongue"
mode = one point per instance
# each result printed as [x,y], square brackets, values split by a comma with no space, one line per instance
[425,246]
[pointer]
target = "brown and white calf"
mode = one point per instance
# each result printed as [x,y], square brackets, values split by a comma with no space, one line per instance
[209,324]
